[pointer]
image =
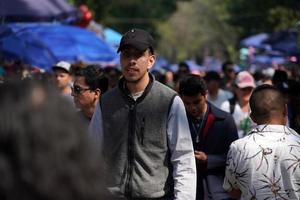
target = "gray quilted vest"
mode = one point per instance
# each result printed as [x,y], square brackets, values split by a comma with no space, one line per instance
[135,141]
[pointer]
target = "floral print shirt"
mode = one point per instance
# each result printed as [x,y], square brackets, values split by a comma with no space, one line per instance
[265,164]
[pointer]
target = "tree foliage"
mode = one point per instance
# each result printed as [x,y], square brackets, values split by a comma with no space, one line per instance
[197,28]
[193,28]
[123,15]
[256,16]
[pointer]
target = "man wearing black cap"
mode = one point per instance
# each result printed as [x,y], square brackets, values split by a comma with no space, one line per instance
[143,131]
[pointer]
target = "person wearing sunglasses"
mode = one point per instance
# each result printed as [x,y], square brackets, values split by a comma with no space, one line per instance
[89,84]
[229,75]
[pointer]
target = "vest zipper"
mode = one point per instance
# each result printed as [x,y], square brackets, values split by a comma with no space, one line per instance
[142,131]
[131,135]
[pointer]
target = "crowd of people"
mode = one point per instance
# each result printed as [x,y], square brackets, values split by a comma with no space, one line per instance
[93,132]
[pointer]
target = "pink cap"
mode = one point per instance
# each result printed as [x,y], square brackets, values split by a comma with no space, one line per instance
[245,79]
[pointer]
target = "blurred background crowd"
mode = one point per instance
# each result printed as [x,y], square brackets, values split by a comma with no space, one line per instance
[216,39]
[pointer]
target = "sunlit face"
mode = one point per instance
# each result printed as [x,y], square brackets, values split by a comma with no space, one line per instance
[244,93]
[195,105]
[84,97]
[62,78]
[135,64]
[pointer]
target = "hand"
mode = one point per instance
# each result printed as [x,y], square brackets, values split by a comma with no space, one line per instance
[201,156]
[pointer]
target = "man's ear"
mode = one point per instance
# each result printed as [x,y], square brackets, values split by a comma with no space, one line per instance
[151,61]
[206,94]
[97,93]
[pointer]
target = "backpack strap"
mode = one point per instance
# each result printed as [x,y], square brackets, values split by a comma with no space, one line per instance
[232,102]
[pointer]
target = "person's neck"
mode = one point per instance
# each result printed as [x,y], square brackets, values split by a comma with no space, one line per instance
[244,105]
[139,86]
[201,116]
[66,90]
[90,110]
[277,119]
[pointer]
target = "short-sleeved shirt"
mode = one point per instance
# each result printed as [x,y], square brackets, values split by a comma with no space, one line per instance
[265,164]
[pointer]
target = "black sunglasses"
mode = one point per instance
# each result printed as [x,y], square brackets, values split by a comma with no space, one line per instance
[77,89]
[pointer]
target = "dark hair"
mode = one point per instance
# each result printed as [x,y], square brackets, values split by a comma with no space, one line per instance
[279,77]
[44,149]
[265,101]
[212,75]
[95,77]
[151,50]
[226,64]
[184,66]
[113,75]
[191,85]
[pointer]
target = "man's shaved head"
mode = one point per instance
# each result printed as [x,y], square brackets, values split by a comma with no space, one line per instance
[266,103]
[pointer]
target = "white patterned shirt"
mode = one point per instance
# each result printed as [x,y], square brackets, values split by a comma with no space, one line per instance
[265,164]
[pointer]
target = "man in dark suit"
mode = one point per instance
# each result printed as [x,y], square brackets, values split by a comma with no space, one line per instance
[212,131]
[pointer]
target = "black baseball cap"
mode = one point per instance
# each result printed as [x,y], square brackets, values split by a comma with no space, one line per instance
[137,38]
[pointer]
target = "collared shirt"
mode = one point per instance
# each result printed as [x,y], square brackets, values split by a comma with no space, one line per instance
[265,164]
[180,144]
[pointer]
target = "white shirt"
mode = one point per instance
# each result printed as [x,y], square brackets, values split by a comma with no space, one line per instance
[265,164]
[180,144]
[242,119]
[222,96]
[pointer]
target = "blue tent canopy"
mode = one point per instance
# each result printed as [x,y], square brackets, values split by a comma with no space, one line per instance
[33,10]
[255,40]
[43,45]
[285,41]
[112,37]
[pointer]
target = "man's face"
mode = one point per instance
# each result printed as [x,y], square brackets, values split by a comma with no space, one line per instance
[135,64]
[84,98]
[195,105]
[62,78]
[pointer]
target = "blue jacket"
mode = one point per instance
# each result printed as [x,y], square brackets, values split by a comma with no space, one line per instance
[215,136]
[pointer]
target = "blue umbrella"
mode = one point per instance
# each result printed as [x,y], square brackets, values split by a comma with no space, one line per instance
[43,45]
[255,40]
[33,10]
[285,41]
[112,37]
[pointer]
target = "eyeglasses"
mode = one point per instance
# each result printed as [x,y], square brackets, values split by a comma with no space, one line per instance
[76,89]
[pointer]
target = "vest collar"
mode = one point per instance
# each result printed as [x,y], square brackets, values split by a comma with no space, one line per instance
[126,93]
